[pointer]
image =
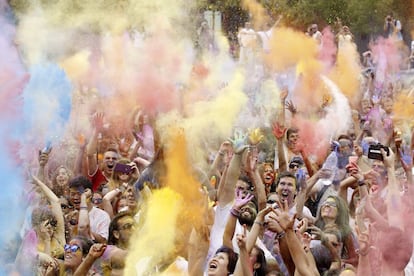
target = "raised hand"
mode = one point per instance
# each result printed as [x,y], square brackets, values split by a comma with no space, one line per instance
[255,136]
[43,158]
[97,121]
[316,232]
[282,216]
[240,200]
[389,160]
[278,130]
[241,238]
[251,164]
[283,94]
[291,107]
[97,250]
[302,225]
[239,142]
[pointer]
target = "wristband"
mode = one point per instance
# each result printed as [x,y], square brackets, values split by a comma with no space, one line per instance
[83,208]
[235,212]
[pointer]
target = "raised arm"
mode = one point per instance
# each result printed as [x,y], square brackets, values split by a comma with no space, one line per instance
[92,147]
[279,132]
[225,193]
[232,219]
[243,266]
[55,208]
[393,199]
[95,252]
[302,263]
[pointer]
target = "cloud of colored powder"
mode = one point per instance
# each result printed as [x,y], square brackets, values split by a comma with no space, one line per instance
[171,212]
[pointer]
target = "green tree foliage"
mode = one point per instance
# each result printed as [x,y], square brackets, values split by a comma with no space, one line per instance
[364,17]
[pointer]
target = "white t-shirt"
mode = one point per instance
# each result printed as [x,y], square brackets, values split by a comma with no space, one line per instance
[217,230]
[99,221]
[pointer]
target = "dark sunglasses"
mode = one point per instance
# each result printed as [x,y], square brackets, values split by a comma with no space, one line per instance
[73,222]
[97,200]
[73,248]
[64,206]
[293,165]
[271,201]
[52,222]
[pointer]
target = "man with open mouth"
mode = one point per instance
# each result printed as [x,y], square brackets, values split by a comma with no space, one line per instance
[100,176]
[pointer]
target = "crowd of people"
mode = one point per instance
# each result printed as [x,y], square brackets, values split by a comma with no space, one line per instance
[272,204]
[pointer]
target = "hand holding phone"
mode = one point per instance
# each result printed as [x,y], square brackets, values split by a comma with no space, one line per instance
[123,168]
[374,152]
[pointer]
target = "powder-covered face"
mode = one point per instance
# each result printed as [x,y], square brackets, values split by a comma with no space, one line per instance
[62,177]
[292,140]
[268,175]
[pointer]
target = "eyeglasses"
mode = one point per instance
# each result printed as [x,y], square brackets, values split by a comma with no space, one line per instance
[97,200]
[329,203]
[64,206]
[127,226]
[51,222]
[73,248]
[293,165]
[271,201]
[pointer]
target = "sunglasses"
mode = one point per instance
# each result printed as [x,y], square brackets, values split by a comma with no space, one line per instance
[97,200]
[329,203]
[293,165]
[51,222]
[73,222]
[73,248]
[64,206]
[271,201]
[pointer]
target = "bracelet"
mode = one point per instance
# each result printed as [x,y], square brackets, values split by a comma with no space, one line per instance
[260,223]
[280,235]
[83,208]
[235,212]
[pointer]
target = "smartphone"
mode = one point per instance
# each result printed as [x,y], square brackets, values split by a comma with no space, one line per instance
[374,152]
[124,168]
[352,162]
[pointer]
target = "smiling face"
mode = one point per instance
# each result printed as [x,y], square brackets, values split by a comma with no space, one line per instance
[218,265]
[62,177]
[248,214]
[286,189]
[268,175]
[109,160]
[73,255]
[75,197]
